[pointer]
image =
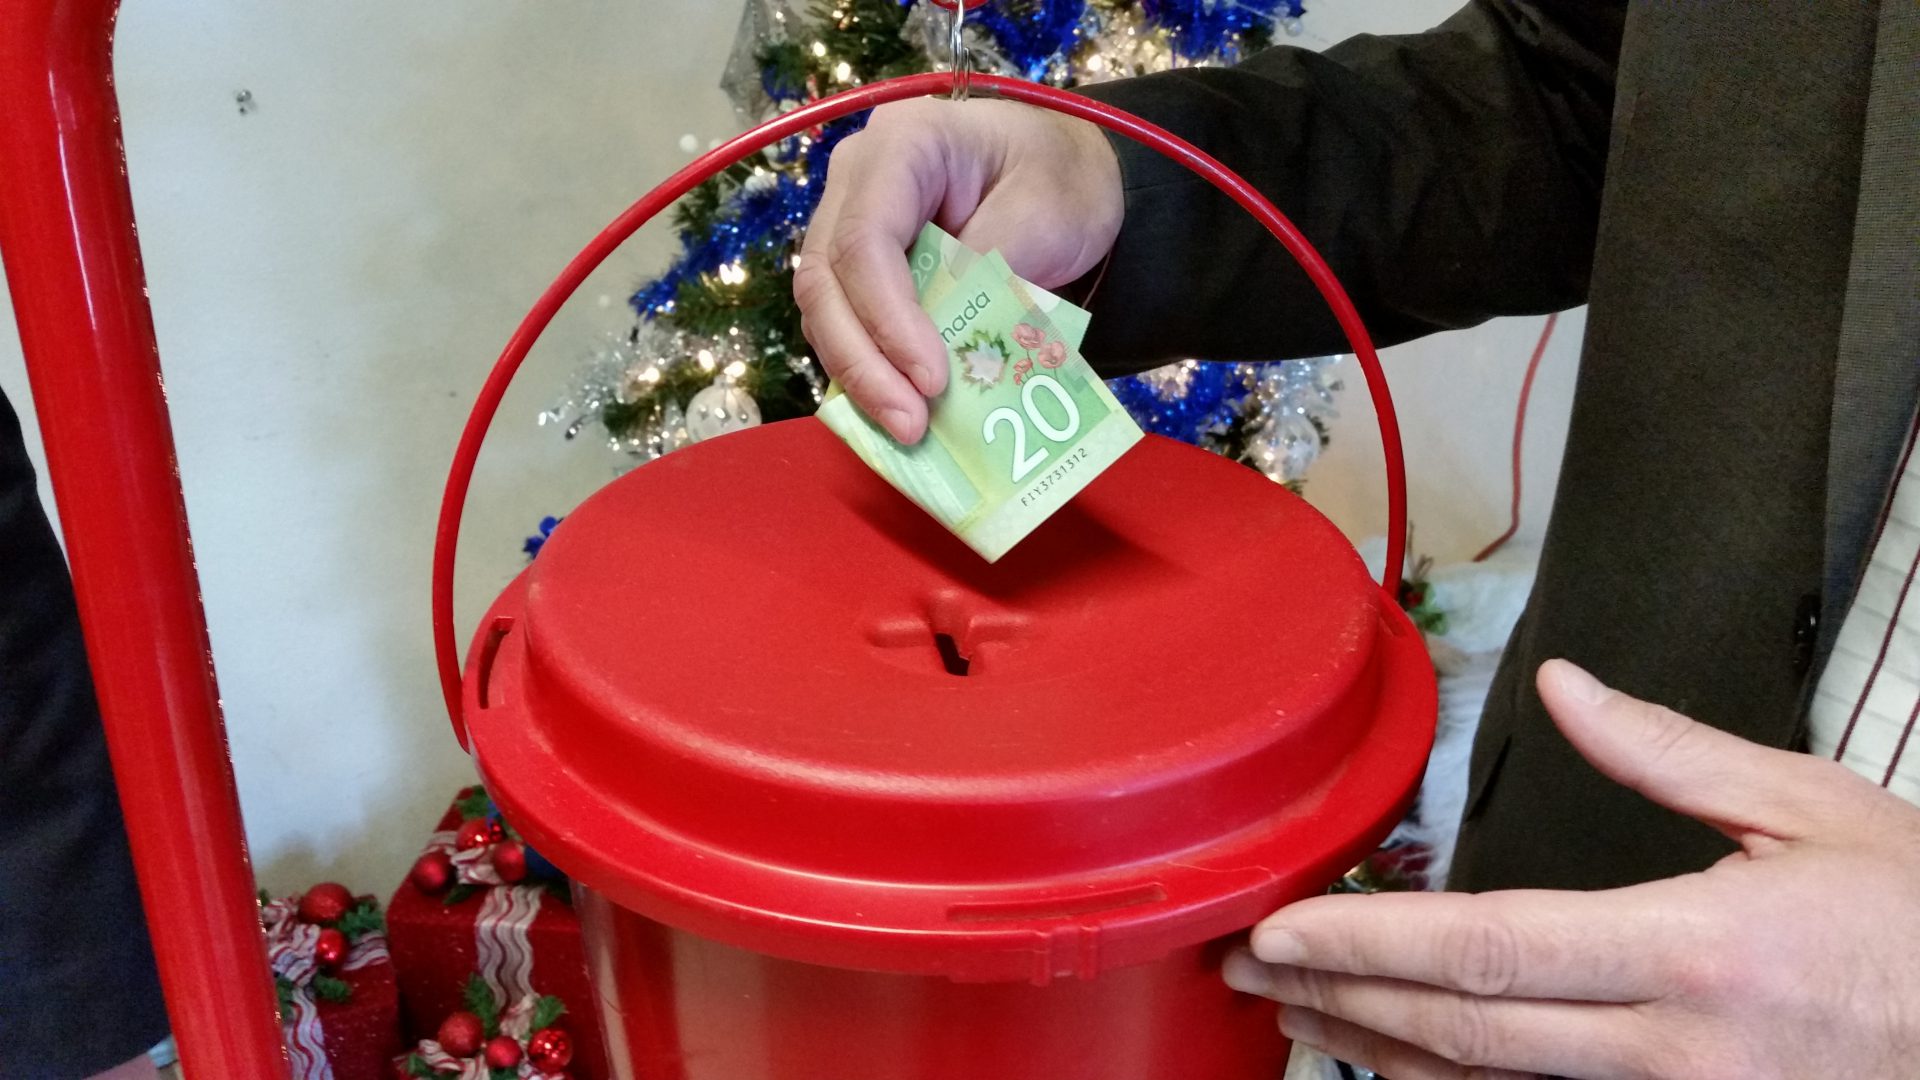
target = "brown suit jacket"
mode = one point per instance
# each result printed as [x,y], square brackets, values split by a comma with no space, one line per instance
[1733,189]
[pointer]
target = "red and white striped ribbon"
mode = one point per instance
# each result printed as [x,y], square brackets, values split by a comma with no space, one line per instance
[368,951]
[501,949]
[290,945]
[502,952]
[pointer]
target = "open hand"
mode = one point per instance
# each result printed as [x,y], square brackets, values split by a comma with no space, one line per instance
[1796,957]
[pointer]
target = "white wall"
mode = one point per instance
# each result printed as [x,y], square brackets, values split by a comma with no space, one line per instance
[332,272]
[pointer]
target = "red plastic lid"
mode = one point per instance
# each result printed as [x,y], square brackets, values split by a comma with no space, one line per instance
[727,695]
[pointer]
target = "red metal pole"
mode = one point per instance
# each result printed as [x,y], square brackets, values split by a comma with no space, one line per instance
[73,264]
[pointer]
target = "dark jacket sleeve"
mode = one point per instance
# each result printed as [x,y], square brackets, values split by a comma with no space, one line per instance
[1448,177]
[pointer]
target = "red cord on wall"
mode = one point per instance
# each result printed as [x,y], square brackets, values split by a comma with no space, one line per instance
[1519,433]
[460,475]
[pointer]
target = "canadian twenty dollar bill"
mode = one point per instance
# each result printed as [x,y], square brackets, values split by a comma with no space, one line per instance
[1024,423]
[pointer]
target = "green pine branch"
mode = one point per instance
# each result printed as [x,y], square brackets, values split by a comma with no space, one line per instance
[472,803]
[868,35]
[329,989]
[547,1011]
[361,919]
[482,1003]
[762,310]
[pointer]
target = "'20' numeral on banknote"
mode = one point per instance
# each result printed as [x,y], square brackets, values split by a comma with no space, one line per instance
[1024,463]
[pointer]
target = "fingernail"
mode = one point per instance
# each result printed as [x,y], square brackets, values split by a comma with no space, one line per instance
[1245,974]
[1278,945]
[922,377]
[1302,1025]
[1577,684]
[897,423]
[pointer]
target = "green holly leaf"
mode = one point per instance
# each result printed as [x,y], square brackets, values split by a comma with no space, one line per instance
[265,898]
[328,988]
[459,892]
[503,1074]
[547,1011]
[361,919]
[472,803]
[417,1066]
[283,989]
[481,1003]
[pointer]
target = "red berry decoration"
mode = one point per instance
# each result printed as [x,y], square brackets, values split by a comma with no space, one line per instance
[461,1034]
[473,834]
[503,1052]
[497,829]
[325,903]
[550,1050]
[510,860]
[331,948]
[432,873]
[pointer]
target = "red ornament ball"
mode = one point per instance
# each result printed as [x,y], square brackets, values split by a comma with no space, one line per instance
[432,872]
[497,829]
[510,860]
[473,834]
[550,1049]
[325,903]
[331,948]
[503,1052]
[461,1034]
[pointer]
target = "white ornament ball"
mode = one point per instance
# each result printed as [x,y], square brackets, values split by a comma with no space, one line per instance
[719,409]
[689,143]
[1285,446]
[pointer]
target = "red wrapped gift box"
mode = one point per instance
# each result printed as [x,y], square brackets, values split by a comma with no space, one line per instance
[521,938]
[362,1033]
[345,1020]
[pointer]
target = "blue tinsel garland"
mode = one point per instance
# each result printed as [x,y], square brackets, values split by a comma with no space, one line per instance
[1204,29]
[1033,34]
[765,218]
[1211,402]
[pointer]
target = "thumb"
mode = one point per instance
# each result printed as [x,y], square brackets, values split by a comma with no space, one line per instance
[1738,787]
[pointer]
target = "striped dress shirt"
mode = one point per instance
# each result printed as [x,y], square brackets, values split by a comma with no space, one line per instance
[1868,701]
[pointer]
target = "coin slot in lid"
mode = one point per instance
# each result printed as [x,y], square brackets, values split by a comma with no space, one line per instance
[951,657]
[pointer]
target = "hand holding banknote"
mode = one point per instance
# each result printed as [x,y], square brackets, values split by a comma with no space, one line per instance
[1022,423]
[1042,189]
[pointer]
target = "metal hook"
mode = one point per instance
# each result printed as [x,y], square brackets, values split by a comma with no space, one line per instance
[962,59]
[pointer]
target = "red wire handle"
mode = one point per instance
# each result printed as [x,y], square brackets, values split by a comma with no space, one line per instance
[935,84]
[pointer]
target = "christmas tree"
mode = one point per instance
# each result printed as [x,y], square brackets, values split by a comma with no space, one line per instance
[716,345]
